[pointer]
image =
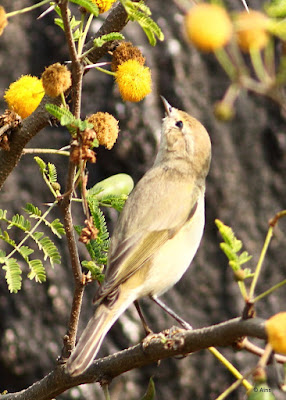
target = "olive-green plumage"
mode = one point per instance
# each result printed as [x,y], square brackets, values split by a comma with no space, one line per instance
[158,232]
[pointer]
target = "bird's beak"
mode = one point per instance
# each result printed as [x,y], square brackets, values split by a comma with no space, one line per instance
[168,107]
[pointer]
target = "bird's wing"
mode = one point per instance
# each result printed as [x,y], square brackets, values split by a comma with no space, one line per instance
[141,232]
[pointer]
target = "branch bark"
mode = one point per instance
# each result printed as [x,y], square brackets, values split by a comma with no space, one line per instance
[169,343]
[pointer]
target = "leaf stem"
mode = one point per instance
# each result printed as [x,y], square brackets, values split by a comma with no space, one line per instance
[230,367]
[260,262]
[27,9]
[267,292]
[42,218]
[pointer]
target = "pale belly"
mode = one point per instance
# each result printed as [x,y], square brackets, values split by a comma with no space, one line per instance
[175,256]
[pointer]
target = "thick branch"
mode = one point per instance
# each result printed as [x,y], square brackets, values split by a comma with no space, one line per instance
[169,343]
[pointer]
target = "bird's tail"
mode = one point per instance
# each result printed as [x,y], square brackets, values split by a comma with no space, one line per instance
[93,335]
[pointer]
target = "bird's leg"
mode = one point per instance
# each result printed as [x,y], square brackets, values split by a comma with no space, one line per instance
[168,310]
[148,331]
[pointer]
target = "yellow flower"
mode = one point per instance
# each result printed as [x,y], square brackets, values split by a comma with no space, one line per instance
[3,20]
[103,5]
[276,332]
[134,80]
[251,30]
[208,26]
[106,128]
[24,95]
[56,79]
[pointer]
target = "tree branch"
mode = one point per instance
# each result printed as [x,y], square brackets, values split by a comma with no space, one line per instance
[169,343]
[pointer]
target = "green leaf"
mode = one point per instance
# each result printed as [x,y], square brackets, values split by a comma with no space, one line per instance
[32,210]
[276,8]
[13,275]
[82,125]
[57,228]
[3,214]
[25,251]
[116,202]
[88,5]
[37,271]
[2,256]
[5,236]
[100,41]
[232,246]
[150,393]
[62,114]
[59,22]
[50,250]
[41,163]
[95,270]
[20,222]
[97,248]
[52,173]
[139,12]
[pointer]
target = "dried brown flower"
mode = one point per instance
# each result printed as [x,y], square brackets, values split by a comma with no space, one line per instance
[89,232]
[106,128]
[56,79]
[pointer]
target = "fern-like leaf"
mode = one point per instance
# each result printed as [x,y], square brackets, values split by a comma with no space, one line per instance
[52,172]
[3,214]
[13,274]
[50,250]
[32,210]
[116,202]
[2,256]
[88,5]
[37,271]
[231,246]
[25,251]
[95,270]
[139,12]
[57,228]
[41,163]
[20,222]
[100,41]
[62,114]
[4,235]
[97,248]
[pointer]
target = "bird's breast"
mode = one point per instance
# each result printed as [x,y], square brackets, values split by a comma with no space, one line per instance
[175,256]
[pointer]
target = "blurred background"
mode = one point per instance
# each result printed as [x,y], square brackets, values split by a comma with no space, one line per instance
[245,188]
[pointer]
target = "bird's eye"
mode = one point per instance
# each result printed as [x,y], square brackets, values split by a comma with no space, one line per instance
[179,124]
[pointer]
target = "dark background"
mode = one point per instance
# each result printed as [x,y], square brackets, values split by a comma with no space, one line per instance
[245,188]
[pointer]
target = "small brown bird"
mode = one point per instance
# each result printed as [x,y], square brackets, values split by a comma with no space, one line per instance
[158,232]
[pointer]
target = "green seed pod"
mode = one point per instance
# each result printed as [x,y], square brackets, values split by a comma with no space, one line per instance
[116,185]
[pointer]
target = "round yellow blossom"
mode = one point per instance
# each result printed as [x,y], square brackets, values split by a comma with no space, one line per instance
[208,26]
[105,127]
[276,332]
[103,5]
[24,95]
[134,80]
[251,30]
[56,79]
[3,20]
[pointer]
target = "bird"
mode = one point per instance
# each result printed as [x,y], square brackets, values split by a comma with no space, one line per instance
[157,233]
